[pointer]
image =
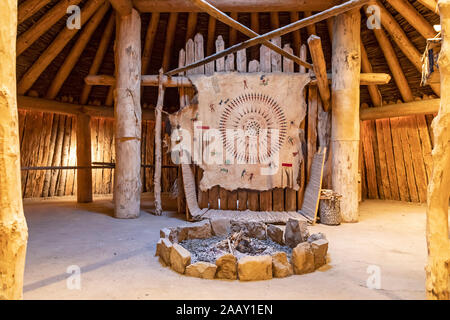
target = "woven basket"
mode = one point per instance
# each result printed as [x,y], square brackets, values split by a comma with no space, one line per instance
[330,211]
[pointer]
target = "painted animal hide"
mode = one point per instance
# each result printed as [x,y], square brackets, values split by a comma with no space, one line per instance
[244,130]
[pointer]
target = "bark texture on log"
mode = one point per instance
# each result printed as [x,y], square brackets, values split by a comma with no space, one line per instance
[128,114]
[13,227]
[158,147]
[437,270]
[84,158]
[346,64]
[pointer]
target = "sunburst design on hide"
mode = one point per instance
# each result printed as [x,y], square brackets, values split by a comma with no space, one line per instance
[256,115]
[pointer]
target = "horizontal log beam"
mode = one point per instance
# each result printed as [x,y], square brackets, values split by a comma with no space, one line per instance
[235,6]
[53,106]
[181,81]
[367,79]
[122,7]
[147,81]
[401,109]
[334,11]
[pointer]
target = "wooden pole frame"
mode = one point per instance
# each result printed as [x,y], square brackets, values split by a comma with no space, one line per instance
[128,115]
[345,139]
[158,145]
[366,79]
[320,69]
[438,265]
[419,107]
[219,15]
[13,227]
[336,10]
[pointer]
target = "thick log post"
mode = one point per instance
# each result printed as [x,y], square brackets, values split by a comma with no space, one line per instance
[13,227]
[128,115]
[437,270]
[84,159]
[346,64]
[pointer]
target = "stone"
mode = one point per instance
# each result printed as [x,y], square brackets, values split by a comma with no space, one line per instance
[169,233]
[276,233]
[252,268]
[220,226]
[281,267]
[197,230]
[204,270]
[296,232]
[316,236]
[164,233]
[164,249]
[251,229]
[226,267]
[180,258]
[303,258]
[320,248]
[158,248]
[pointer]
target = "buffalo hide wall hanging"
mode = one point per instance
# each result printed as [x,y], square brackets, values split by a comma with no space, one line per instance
[244,130]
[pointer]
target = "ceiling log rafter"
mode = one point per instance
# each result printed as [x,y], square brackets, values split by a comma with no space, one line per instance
[90,10]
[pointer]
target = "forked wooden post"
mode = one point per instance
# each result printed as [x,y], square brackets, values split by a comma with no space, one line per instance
[13,227]
[346,64]
[128,115]
[437,270]
[158,156]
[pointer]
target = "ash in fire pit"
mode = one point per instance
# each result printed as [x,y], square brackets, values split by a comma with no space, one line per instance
[244,250]
[210,249]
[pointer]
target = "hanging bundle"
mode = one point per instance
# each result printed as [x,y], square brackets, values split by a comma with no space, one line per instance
[430,58]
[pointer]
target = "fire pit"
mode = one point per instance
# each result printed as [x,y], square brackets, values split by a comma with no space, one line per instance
[244,250]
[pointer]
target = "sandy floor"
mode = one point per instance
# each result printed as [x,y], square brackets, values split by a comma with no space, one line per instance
[117,260]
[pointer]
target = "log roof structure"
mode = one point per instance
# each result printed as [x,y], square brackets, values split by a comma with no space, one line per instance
[33,23]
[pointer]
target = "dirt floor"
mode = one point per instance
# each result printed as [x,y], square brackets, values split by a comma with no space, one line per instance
[117,259]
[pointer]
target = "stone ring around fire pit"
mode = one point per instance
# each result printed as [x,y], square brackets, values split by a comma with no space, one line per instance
[244,250]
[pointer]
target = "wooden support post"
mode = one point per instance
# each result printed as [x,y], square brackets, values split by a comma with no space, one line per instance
[127,180]
[158,147]
[346,64]
[438,266]
[320,69]
[84,159]
[13,227]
